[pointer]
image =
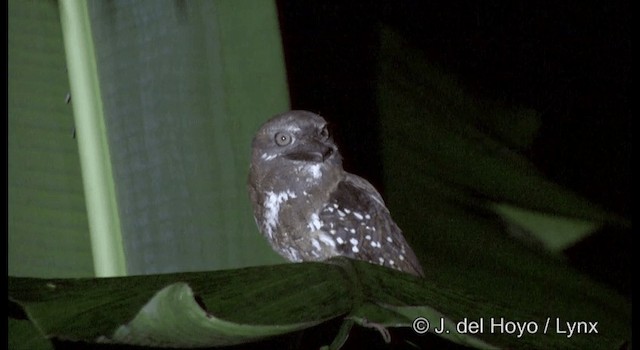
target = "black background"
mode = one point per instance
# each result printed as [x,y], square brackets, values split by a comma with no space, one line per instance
[571,62]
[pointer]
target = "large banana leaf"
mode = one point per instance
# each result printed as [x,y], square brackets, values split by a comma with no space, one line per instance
[238,306]
[47,221]
[184,86]
[167,96]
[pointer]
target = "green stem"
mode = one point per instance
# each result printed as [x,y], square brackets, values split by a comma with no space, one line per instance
[99,189]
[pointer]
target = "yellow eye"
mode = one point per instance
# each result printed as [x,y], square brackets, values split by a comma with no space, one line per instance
[283,139]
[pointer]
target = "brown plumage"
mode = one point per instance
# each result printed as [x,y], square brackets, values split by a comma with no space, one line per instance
[309,208]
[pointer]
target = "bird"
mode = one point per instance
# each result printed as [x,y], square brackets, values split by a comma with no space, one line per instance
[309,208]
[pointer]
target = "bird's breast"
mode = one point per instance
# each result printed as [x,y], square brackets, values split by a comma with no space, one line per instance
[291,222]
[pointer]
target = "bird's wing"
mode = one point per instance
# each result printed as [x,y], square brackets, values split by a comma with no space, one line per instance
[356,217]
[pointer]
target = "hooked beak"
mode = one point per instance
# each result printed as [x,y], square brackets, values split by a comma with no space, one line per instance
[313,151]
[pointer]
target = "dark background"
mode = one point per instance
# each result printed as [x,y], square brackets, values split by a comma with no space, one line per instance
[570,62]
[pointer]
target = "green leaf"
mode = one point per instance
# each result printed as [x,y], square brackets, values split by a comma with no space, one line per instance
[164,127]
[428,121]
[460,191]
[45,191]
[239,306]
[24,335]
[554,232]
[173,318]
[456,186]
[185,85]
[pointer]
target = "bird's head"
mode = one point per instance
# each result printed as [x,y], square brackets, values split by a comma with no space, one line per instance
[295,166]
[294,138]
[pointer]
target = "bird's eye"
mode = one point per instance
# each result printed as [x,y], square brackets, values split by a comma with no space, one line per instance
[283,139]
[324,133]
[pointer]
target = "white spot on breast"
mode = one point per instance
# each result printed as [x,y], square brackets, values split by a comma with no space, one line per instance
[292,254]
[314,170]
[272,204]
[341,213]
[391,262]
[315,244]
[353,230]
[381,260]
[401,257]
[315,223]
[347,210]
[333,232]
[367,216]
[327,240]
[389,239]
[358,215]
[353,241]
[367,237]
[355,249]
[339,240]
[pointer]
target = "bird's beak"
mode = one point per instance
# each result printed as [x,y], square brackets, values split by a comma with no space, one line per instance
[314,151]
